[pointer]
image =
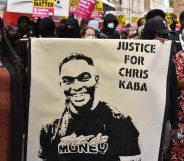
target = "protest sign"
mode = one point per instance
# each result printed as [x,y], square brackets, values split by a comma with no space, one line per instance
[134,19]
[121,22]
[85,8]
[43,8]
[169,17]
[98,10]
[73,5]
[61,7]
[92,104]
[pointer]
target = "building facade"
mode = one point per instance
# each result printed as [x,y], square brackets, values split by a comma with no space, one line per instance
[178,6]
[137,7]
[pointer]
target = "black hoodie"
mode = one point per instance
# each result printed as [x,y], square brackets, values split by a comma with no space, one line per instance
[111,33]
[74,31]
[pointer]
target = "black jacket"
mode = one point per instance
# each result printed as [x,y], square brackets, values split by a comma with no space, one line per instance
[17,121]
[75,30]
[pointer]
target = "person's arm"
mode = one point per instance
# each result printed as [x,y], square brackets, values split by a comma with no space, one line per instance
[181,84]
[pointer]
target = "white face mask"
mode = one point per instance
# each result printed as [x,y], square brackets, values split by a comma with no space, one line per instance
[110,25]
[90,37]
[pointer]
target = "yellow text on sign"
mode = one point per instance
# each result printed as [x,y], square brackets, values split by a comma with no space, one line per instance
[121,19]
[43,3]
[98,7]
[74,3]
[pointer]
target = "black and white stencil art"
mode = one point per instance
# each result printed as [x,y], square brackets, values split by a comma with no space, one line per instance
[89,129]
[97,103]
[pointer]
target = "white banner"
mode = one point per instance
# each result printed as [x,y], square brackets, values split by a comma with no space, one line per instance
[61,7]
[94,100]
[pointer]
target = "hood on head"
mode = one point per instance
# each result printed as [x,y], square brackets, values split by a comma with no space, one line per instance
[110,18]
[75,25]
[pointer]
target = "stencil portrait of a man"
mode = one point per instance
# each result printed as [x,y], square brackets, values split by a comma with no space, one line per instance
[89,129]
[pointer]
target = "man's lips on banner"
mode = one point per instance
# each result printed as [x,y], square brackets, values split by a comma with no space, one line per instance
[79,97]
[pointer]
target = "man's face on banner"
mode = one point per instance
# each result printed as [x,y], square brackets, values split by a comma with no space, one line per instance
[79,81]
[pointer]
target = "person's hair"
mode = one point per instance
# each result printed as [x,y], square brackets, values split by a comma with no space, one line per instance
[155,12]
[86,28]
[139,21]
[75,56]
[181,16]
[47,27]
[148,34]
[7,54]
[24,19]
[128,25]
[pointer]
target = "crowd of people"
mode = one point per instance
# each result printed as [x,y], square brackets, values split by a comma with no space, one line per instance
[14,45]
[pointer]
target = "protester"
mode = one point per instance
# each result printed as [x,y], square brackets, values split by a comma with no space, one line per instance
[129,30]
[36,28]
[11,110]
[156,29]
[109,27]
[174,22]
[140,26]
[60,30]
[177,37]
[15,34]
[94,24]
[72,28]
[47,27]
[24,21]
[155,13]
[181,20]
[177,141]
[89,33]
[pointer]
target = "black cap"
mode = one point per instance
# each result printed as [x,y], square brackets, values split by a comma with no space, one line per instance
[157,25]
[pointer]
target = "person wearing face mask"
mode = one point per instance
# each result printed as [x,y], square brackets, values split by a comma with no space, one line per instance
[89,33]
[47,28]
[72,28]
[109,27]
[60,30]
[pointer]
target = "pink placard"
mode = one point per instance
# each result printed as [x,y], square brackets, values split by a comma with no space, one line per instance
[84,8]
[95,15]
[43,12]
